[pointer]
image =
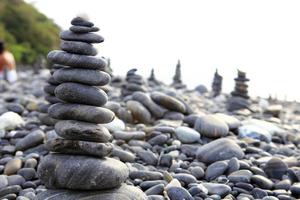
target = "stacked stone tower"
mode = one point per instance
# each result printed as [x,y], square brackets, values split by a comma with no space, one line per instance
[177,81]
[134,82]
[78,158]
[217,84]
[239,97]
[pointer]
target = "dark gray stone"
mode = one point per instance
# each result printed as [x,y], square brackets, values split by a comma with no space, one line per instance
[28,173]
[15,180]
[124,192]
[275,168]
[155,190]
[75,60]
[77,130]
[14,189]
[185,178]
[79,147]
[84,37]
[81,48]
[220,149]
[262,182]
[83,29]
[81,172]
[82,94]
[145,175]
[79,21]
[178,193]
[80,112]
[49,89]
[84,76]
[215,170]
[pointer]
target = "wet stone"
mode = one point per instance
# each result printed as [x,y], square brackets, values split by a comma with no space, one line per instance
[84,37]
[62,171]
[79,147]
[75,60]
[83,76]
[77,130]
[80,112]
[81,48]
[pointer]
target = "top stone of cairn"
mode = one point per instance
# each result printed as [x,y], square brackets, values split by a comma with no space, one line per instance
[79,21]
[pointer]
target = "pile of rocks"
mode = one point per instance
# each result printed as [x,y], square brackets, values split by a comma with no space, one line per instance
[134,82]
[239,97]
[217,84]
[79,155]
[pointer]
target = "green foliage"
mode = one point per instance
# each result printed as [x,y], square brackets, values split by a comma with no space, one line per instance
[27,32]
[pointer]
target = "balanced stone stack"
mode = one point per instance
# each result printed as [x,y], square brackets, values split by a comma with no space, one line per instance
[50,97]
[78,158]
[177,81]
[134,82]
[152,81]
[239,97]
[217,84]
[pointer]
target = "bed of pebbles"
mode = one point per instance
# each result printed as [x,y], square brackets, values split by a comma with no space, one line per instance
[163,143]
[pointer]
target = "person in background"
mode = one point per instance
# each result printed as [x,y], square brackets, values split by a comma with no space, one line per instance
[7,64]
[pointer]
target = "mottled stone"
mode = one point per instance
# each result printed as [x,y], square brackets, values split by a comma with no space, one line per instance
[84,37]
[81,48]
[32,139]
[12,166]
[81,172]
[220,149]
[75,60]
[84,76]
[77,130]
[79,147]
[81,94]
[168,102]
[211,126]
[139,112]
[80,112]
[83,29]
[125,192]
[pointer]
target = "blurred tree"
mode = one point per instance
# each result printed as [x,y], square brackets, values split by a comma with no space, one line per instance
[27,32]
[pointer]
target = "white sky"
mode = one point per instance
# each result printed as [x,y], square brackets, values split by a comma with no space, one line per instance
[261,37]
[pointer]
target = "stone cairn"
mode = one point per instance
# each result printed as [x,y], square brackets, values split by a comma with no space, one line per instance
[239,97]
[78,160]
[50,97]
[152,81]
[217,84]
[177,81]
[134,82]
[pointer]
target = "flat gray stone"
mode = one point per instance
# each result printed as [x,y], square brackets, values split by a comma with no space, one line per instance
[81,172]
[125,192]
[82,37]
[81,94]
[220,149]
[78,48]
[83,29]
[79,147]
[80,112]
[84,76]
[31,140]
[77,130]
[75,60]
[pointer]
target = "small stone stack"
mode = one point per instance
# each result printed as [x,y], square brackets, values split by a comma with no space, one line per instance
[134,83]
[177,81]
[239,97]
[78,158]
[217,84]
[152,81]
